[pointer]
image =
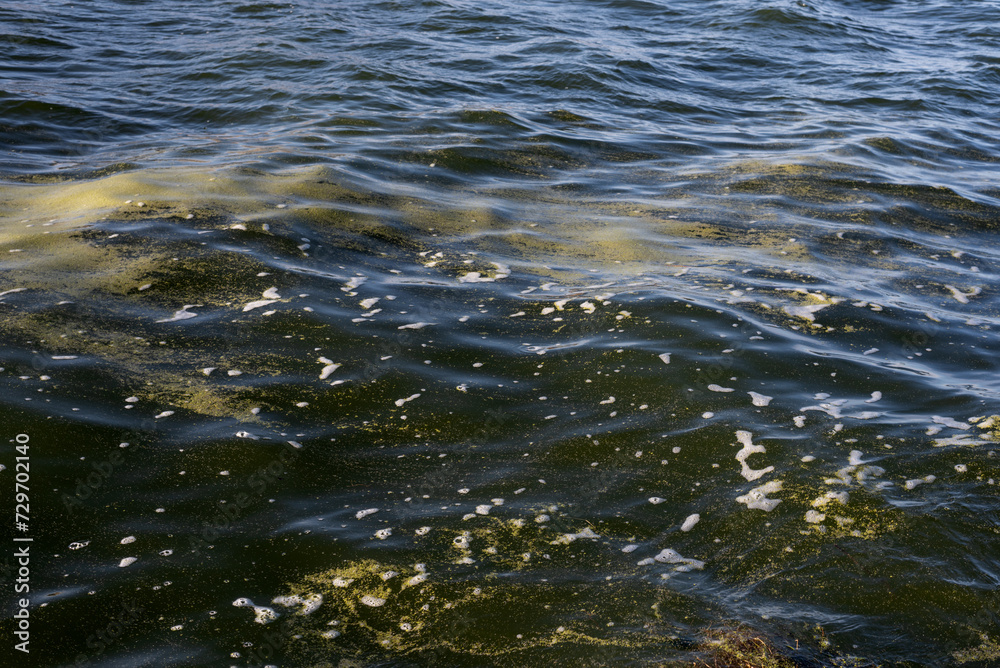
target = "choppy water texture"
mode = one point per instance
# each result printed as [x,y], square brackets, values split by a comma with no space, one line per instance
[443,333]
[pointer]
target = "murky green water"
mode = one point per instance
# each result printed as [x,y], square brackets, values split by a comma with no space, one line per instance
[438,334]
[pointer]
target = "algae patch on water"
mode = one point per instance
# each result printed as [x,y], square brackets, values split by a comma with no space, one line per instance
[98,271]
[987,651]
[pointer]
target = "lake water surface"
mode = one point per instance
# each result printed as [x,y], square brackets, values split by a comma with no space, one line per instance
[441,333]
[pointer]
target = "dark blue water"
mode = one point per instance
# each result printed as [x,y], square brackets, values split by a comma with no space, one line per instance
[905,89]
[501,334]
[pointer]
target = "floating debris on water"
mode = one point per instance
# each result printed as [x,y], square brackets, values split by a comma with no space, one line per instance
[749,448]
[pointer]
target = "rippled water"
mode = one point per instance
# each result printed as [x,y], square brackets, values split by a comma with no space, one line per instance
[502,334]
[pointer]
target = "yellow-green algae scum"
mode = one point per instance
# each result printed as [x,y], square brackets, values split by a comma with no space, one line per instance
[55,247]
[54,250]
[745,214]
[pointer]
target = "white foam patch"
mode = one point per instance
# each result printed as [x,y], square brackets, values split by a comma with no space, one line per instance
[760,399]
[415,325]
[757,499]
[365,513]
[876,396]
[257,304]
[690,522]
[829,497]
[340,582]
[372,601]
[832,408]
[270,296]
[353,283]
[719,388]
[857,470]
[805,312]
[814,517]
[915,482]
[127,561]
[309,603]
[400,402]
[263,615]
[366,304]
[655,500]
[568,538]
[669,556]
[963,297]
[665,357]
[328,369]
[950,422]
[748,449]
[955,440]
[183,314]
[416,579]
